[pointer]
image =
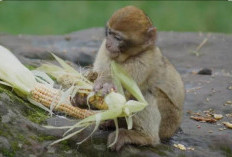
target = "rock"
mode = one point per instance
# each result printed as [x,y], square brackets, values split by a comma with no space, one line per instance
[205,71]
[4,144]
[21,123]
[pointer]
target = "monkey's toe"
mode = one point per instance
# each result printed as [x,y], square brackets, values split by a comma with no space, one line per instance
[119,143]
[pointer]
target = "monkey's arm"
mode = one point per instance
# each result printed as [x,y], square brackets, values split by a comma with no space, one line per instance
[167,79]
[140,67]
[102,67]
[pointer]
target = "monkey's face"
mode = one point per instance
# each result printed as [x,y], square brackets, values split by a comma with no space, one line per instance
[122,45]
[115,43]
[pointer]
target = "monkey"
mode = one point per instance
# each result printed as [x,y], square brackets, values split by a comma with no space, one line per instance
[130,41]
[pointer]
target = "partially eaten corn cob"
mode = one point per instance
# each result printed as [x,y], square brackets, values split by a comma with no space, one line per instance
[67,77]
[95,101]
[49,96]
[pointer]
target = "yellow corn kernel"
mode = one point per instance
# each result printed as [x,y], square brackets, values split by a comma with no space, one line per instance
[98,102]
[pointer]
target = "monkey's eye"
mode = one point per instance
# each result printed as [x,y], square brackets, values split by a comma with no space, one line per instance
[118,38]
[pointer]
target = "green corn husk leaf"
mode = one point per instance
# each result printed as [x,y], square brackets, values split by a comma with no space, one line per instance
[116,133]
[51,69]
[69,68]
[43,77]
[58,72]
[127,82]
[14,73]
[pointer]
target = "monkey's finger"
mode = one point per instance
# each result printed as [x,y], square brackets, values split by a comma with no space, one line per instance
[97,87]
[104,91]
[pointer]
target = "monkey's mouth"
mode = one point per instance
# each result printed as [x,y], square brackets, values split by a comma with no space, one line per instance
[113,54]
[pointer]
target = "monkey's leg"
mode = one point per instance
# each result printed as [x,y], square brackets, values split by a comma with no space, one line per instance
[145,130]
[170,115]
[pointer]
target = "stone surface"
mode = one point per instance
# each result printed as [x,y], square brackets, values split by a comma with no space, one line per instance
[4,144]
[26,137]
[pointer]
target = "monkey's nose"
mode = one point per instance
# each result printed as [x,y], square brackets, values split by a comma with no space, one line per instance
[108,45]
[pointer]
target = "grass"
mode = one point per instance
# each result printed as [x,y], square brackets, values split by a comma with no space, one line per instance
[60,17]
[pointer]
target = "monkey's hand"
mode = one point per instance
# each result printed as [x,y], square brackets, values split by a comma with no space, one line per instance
[103,87]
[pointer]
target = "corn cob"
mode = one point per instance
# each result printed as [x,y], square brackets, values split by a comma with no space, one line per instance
[68,78]
[98,102]
[95,101]
[48,96]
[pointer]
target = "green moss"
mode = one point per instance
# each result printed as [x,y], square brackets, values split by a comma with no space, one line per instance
[7,153]
[227,151]
[37,116]
[5,131]
[21,137]
[42,138]
[15,145]
[33,113]
[65,145]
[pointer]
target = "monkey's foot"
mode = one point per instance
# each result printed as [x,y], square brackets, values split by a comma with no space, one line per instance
[121,141]
[130,137]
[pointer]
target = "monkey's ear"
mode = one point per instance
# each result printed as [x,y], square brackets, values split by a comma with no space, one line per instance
[152,32]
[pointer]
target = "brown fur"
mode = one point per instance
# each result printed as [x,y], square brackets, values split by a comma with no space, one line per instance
[158,80]
[129,20]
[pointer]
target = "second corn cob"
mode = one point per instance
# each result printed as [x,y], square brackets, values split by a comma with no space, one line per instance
[96,100]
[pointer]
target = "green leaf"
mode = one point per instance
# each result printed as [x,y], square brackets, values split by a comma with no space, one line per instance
[128,83]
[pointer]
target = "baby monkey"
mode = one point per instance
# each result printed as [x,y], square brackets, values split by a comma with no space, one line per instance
[130,41]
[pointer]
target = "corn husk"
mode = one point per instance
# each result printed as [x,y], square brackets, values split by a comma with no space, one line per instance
[24,82]
[13,73]
[67,72]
